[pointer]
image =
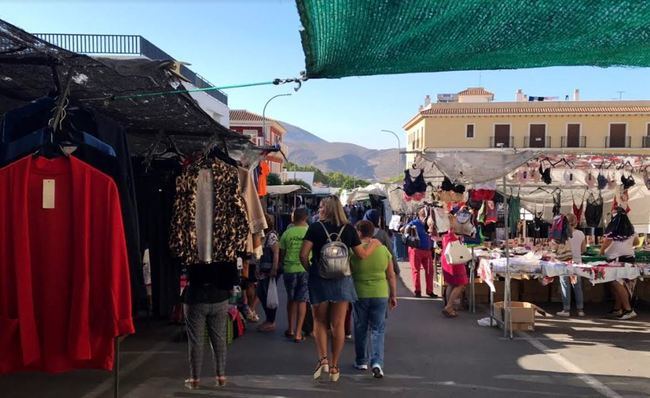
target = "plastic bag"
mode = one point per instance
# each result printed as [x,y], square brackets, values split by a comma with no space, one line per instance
[272,301]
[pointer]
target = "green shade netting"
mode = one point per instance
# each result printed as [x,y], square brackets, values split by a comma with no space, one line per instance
[370,37]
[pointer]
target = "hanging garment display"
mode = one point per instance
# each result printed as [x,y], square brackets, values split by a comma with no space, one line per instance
[64,274]
[514,210]
[557,202]
[442,220]
[254,210]
[602,181]
[590,180]
[230,225]
[414,185]
[156,189]
[594,210]
[577,210]
[264,171]
[627,182]
[104,147]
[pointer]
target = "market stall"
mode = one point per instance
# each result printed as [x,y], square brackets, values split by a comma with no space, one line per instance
[545,184]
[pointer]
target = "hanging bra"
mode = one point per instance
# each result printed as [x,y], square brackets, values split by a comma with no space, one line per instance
[557,203]
[412,186]
[627,181]
[545,175]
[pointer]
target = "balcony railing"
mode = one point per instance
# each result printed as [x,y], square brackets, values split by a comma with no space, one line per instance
[645,141]
[125,45]
[507,143]
[566,143]
[609,143]
[547,143]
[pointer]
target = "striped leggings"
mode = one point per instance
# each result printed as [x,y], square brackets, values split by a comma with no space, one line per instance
[215,316]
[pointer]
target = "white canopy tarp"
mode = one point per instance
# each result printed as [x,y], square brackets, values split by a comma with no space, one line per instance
[363,193]
[286,189]
[477,166]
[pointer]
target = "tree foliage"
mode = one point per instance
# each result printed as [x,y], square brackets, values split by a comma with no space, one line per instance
[273,179]
[332,179]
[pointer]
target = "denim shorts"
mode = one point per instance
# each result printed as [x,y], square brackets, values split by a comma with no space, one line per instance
[296,285]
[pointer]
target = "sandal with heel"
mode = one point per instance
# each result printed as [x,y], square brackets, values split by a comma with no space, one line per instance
[335,373]
[321,368]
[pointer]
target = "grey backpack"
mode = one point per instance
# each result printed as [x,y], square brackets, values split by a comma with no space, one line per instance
[334,257]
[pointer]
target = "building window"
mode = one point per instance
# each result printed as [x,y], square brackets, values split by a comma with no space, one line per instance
[469,131]
[252,134]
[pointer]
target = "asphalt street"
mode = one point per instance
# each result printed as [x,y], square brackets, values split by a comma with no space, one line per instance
[427,355]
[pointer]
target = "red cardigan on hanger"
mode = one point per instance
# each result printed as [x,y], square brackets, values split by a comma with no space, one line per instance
[64,278]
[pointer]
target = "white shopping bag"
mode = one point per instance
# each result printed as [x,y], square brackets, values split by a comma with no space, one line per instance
[272,301]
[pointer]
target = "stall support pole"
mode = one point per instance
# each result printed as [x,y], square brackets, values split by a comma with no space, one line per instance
[116,369]
[472,280]
[507,320]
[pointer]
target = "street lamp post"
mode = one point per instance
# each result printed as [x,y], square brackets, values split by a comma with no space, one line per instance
[264,113]
[399,156]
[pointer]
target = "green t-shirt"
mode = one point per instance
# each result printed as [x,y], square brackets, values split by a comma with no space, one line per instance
[369,275]
[291,242]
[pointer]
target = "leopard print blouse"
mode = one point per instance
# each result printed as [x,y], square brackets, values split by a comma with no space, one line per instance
[230,227]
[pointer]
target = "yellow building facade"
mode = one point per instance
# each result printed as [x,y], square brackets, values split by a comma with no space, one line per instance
[473,121]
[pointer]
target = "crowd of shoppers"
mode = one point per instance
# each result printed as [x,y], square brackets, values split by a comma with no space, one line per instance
[368,285]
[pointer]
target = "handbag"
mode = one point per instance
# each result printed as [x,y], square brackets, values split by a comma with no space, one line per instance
[411,238]
[457,253]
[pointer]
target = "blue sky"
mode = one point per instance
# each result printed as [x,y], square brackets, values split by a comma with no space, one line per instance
[233,42]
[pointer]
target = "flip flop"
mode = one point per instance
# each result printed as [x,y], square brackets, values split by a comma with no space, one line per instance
[288,334]
[448,314]
[299,340]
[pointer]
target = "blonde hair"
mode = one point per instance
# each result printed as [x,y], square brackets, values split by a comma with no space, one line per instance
[334,212]
[571,218]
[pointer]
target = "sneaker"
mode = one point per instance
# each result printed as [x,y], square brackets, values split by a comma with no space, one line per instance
[431,295]
[418,294]
[563,313]
[360,367]
[377,372]
[615,313]
[628,315]
[348,337]
[581,313]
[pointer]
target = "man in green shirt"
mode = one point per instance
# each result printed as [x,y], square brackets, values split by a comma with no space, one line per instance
[295,276]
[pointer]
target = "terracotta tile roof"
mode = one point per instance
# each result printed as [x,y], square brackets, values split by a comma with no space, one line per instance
[476,91]
[509,109]
[244,115]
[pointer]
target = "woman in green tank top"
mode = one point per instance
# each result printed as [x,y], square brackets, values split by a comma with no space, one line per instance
[376,286]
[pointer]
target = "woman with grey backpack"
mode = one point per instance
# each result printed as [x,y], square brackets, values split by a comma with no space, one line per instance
[331,288]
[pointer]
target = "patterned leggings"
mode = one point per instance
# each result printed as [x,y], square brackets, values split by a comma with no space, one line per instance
[215,315]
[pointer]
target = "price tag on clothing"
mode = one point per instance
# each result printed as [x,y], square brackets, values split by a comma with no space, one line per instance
[48,194]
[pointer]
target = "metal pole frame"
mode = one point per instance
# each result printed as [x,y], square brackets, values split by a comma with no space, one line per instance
[507,319]
[399,145]
[264,113]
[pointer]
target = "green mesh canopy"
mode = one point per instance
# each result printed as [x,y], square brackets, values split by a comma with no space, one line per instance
[370,37]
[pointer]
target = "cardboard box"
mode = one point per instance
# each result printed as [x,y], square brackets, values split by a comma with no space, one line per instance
[482,291]
[523,314]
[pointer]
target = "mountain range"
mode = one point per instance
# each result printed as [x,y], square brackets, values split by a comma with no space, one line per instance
[306,148]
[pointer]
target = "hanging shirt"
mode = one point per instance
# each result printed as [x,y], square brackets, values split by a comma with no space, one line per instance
[265,170]
[64,274]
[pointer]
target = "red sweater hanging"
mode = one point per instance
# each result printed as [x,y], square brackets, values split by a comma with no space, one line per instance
[64,277]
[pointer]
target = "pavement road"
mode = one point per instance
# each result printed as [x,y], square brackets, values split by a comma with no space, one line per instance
[427,355]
